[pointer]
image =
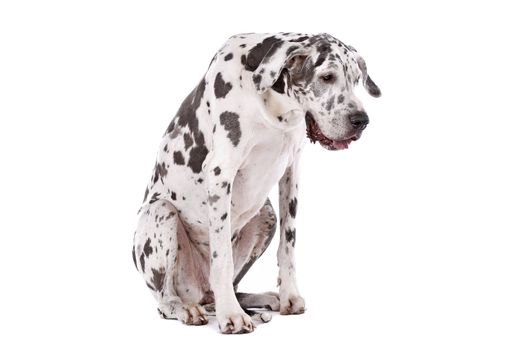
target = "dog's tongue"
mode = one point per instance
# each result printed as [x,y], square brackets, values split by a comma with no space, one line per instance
[340,144]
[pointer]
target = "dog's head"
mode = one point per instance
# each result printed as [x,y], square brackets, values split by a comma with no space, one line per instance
[319,73]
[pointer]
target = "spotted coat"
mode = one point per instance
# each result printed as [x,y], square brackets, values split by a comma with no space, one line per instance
[205,216]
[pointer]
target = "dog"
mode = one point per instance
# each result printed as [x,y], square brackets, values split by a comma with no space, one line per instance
[206,217]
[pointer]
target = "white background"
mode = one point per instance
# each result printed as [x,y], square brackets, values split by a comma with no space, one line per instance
[413,238]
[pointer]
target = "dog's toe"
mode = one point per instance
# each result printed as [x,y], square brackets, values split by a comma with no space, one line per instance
[236,323]
[192,315]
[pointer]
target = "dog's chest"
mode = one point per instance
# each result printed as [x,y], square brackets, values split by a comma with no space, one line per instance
[265,164]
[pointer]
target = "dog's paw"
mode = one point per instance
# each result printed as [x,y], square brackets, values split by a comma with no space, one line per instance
[193,315]
[190,314]
[235,323]
[292,305]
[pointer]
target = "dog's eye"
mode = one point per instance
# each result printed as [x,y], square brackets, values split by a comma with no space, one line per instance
[327,78]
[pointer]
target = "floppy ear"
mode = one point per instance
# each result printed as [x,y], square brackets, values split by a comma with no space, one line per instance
[287,55]
[368,83]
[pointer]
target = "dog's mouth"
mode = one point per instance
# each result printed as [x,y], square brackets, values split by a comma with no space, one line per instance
[314,134]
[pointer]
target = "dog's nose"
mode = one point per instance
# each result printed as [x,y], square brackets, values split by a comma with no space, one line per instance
[359,120]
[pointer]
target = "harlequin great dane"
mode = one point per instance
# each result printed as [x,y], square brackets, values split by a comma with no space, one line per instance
[206,216]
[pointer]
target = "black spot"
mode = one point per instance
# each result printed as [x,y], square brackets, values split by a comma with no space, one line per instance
[279,84]
[279,118]
[262,51]
[188,141]
[228,189]
[242,45]
[217,170]
[291,49]
[290,236]
[187,110]
[324,46]
[142,262]
[134,257]
[145,195]
[293,207]
[186,115]
[320,59]
[165,148]
[170,128]
[154,198]
[147,248]
[160,172]
[199,138]
[299,39]
[340,99]
[224,216]
[214,254]
[158,278]
[200,180]
[178,158]
[230,121]
[330,103]
[197,156]
[173,196]
[220,87]
[213,199]
[257,80]
[243,60]
[228,56]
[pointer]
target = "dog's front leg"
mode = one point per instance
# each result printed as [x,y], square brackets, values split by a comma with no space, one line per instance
[230,316]
[291,301]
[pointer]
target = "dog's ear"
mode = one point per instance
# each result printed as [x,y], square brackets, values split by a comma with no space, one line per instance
[368,83]
[268,61]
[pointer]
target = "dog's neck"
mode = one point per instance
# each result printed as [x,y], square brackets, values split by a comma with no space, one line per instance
[281,111]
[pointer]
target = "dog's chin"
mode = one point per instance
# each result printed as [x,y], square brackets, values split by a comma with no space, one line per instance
[315,134]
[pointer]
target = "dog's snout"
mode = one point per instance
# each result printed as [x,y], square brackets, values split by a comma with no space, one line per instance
[359,120]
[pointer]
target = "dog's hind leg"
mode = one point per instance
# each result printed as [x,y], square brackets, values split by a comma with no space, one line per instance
[268,301]
[252,240]
[155,249]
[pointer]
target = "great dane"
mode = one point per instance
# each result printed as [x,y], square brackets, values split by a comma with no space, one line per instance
[206,216]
